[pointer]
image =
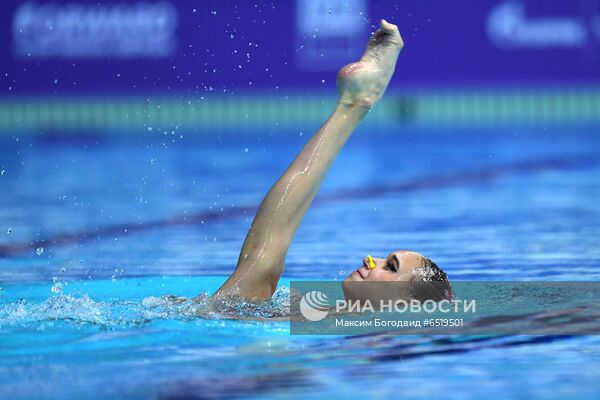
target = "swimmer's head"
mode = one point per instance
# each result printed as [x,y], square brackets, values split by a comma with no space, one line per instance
[418,278]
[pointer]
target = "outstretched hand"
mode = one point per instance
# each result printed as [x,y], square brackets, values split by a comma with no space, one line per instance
[363,83]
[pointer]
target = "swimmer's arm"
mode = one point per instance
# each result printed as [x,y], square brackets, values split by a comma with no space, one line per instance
[262,257]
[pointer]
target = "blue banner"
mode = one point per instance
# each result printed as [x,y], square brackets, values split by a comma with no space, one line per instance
[199,48]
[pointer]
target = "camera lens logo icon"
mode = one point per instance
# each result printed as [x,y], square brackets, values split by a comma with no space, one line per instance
[314,306]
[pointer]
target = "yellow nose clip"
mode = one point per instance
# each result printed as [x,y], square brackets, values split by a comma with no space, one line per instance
[371,262]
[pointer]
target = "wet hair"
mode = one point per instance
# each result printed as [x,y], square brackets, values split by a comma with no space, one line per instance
[430,282]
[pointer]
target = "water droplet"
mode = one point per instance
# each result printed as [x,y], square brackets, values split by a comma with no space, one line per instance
[8,231]
[246,150]
[56,288]
[2,172]
[39,251]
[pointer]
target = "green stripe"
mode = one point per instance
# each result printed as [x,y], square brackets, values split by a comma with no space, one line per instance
[437,108]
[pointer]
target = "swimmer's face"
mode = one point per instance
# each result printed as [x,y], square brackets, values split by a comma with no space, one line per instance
[396,267]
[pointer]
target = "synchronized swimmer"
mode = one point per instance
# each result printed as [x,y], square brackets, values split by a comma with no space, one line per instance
[262,258]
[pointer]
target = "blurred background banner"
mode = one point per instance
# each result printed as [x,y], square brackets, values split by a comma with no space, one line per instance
[97,64]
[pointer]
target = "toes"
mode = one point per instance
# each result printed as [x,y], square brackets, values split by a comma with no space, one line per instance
[387,27]
[392,31]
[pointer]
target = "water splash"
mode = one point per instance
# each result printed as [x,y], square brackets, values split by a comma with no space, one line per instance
[81,309]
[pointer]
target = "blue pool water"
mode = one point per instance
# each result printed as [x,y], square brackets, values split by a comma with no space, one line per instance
[94,230]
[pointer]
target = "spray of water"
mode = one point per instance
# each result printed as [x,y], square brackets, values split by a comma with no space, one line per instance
[81,309]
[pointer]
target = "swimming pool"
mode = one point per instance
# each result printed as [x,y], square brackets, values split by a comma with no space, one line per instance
[93,227]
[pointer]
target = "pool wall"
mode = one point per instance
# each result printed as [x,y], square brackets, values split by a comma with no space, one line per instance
[130,115]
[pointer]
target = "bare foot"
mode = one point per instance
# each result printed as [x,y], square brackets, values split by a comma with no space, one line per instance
[364,82]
